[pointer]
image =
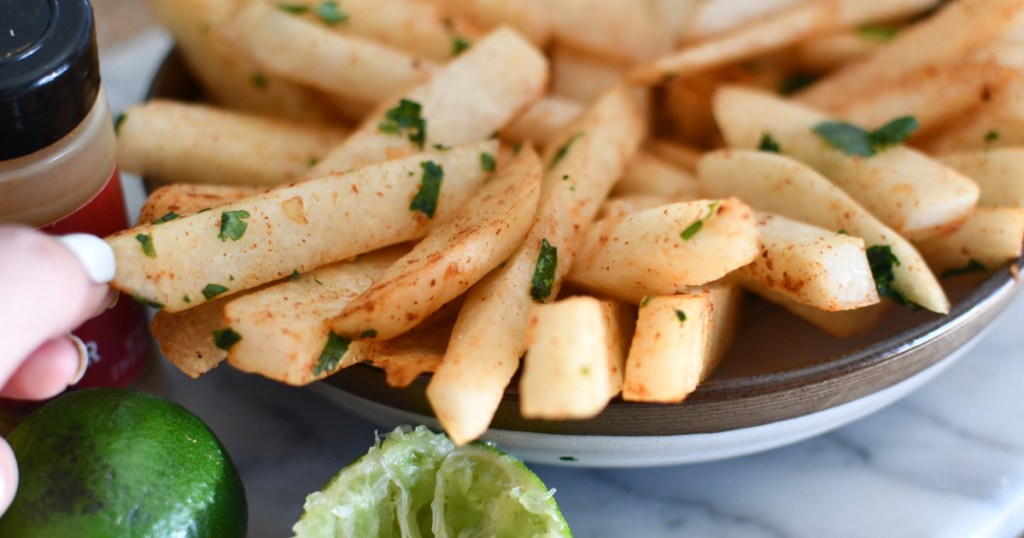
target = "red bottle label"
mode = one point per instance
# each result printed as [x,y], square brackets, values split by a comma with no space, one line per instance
[117,340]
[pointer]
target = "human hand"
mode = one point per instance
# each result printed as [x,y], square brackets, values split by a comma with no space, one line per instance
[48,286]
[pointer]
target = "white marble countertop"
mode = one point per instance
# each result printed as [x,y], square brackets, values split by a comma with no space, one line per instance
[947,461]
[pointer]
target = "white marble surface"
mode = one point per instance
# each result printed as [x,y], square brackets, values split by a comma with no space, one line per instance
[948,461]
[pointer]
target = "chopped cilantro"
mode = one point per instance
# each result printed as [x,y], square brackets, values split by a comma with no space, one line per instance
[692,229]
[171,215]
[441,147]
[853,140]
[544,272]
[882,261]
[147,302]
[991,136]
[147,245]
[568,458]
[849,138]
[225,338]
[646,301]
[213,290]
[118,122]
[842,231]
[313,161]
[330,13]
[369,333]
[405,118]
[563,150]
[893,133]
[232,225]
[878,32]
[459,45]
[296,9]
[768,143]
[973,266]
[318,281]
[425,200]
[494,136]
[330,357]
[186,299]
[487,161]
[517,148]
[295,274]
[681,315]
[796,82]
[260,80]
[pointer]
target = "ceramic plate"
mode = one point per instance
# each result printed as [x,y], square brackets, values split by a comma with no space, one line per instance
[782,381]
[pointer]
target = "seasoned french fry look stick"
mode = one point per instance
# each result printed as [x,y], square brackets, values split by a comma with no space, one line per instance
[450,259]
[813,266]
[997,123]
[184,262]
[772,33]
[989,239]
[544,120]
[931,97]
[178,199]
[997,171]
[416,352]
[618,29]
[416,26]
[664,250]
[489,335]
[191,143]
[841,324]
[937,41]
[784,186]
[528,17]
[308,53]
[283,331]
[229,79]
[569,345]
[650,175]
[914,194]
[189,339]
[468,100]
[674,347]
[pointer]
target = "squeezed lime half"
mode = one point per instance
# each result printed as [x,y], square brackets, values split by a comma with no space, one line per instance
[416,484]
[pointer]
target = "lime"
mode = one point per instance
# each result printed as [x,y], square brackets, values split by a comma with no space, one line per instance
[117,462]
[417,484]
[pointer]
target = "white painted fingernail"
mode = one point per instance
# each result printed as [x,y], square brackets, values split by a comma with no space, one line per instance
[83,359]
[94,254]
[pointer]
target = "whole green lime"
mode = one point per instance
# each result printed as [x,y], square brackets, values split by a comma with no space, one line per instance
[116,462]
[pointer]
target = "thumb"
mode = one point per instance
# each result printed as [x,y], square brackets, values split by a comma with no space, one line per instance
[47,288]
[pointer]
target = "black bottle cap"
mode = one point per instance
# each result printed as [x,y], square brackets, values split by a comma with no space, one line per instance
[49,72]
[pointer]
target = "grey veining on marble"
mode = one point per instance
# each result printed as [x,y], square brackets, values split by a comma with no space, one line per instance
[948,461]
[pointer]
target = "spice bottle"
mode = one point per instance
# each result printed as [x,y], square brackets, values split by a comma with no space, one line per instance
[58,153]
